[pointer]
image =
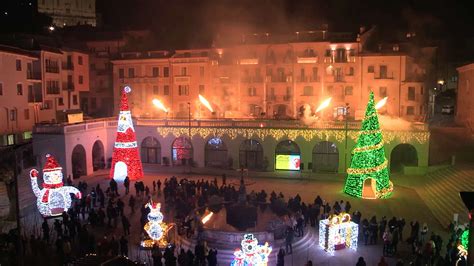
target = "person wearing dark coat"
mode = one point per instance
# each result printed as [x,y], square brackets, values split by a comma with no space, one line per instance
[123,246]
[212,257]
[281,257]
[361,262]
[157,256]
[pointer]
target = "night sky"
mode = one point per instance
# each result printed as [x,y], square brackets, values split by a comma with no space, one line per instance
[192,22]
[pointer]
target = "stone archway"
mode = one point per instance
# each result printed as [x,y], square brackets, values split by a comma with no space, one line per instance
[251,154]
[325,157]
[369,188]
[403,155]
[150,150]
[78,159]
[98,159]
[182,151]
[215,153]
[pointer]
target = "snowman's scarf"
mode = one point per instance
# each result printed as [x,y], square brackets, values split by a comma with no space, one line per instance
[48,187]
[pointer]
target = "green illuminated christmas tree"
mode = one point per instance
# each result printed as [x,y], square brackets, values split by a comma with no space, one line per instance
[368,160]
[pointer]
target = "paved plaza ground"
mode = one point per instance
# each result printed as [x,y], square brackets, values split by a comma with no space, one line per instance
[404,203]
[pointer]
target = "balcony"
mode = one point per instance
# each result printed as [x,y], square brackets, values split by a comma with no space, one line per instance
[67,66]
[339,79]
[383,76]
[68,86]
[52,90]
[307,58]
[287,98]
[271,97]
[52,69]
[35,94]
[277,79]
[248,61]
[307,79]
[182,79]
[33,75]
[252,79]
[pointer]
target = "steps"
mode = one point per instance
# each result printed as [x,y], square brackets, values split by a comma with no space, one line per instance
[225,254]
[441,190]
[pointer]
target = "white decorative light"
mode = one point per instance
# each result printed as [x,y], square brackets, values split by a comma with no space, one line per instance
[338,230]
[251,253]
[155,227]
[53,199]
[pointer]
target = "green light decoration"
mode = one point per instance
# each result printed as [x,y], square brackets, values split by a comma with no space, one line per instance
[465,239]
[368,160]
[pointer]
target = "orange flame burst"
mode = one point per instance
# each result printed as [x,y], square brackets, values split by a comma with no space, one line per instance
[324,104]
[160,105]
[205,103]
[381,103]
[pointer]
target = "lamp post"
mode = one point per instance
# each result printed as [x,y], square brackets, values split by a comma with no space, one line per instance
[346,115]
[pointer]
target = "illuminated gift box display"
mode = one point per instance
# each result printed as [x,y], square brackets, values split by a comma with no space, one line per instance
[156,229]
[338,232]
[251,254]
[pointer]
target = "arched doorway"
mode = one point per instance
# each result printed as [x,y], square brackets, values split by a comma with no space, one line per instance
[287,156]
[120,171]
[78,159]
[98,159]
[215,153]
[182,151]
[280,111]
[150,150]
[368,191]
[251,154]
[403,155]
[325,157]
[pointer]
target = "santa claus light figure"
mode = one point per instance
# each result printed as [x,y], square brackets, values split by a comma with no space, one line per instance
[53,199]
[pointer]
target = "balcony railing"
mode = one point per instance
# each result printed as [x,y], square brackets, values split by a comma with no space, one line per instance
[52,90]
[52,69]
[68,86]
[307,79]
[32,75]
[252,79]
[68,66]
[383,76]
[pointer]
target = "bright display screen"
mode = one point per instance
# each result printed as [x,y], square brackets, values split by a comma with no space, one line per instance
[287,162]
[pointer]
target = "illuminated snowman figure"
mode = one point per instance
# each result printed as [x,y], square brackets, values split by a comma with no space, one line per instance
[54,198]
[251,254]
[155,226]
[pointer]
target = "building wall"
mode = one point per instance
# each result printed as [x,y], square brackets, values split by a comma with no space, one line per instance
[465,97]
[276,81]
[69,12]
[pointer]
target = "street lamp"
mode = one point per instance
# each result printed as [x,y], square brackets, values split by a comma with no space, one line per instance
[346,115]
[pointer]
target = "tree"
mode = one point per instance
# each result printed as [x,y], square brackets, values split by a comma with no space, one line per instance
[368,160]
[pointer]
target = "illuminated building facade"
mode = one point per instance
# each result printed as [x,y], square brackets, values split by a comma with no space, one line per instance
[69,12]
[273,80]
[465,97]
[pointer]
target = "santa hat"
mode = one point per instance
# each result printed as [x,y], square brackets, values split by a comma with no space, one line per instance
[124,99]
[51,164]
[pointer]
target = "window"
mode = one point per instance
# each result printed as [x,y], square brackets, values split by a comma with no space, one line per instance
[383,72]
[93,103]
[370,69]
[156,72]
[12,115]
[81,79]
[327,53]
[60,101]
[421,90]
[79,60]
[308,91]
[348,90]
[201,89]
[383,92]
[52,87]
[184,71]
[410,110]
[341,56]
[201,71]
[351,71]
[183,90]
[352,52]
[166,90]
[92,66]
[421,109]
[166,71]
[121,73]
[18,65]
[252,91]
[131,72]
[302,75]
[27,114]
[315,73]
[1,89]
[411,93]
[74,99]
[27,135]
[155,90]
[19,89]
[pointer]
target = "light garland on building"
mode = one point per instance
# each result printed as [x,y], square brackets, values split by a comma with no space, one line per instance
[337,232]
[420,137]
[54,198]
[251,253]
[369,161]
[155,227]
[125,158]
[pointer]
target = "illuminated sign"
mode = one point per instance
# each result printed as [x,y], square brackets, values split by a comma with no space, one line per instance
[287,162]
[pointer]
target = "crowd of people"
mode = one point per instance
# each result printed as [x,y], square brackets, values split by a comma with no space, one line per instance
[100,222]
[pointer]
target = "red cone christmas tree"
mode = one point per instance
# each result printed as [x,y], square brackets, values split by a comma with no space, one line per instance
[125,158]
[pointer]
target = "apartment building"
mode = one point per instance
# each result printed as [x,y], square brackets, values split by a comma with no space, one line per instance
[465,97]
[38,86]
[280,79]
[69,12]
